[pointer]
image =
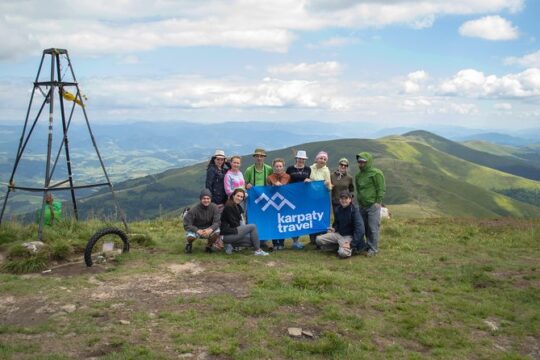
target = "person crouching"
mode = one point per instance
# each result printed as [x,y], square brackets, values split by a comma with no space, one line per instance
[202,221]
[347,229]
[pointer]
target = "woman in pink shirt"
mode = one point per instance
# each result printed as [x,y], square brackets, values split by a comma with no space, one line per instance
[234,178]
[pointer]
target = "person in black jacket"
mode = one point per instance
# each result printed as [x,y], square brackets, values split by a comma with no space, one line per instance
[215,173]
[234,233]
[347,231]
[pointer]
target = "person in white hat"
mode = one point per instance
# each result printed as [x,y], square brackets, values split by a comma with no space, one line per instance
[215,174]
[299,172]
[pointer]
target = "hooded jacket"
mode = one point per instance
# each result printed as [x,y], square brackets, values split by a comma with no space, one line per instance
[370,185]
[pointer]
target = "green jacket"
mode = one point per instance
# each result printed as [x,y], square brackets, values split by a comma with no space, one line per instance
[56,208]
[370,185]
[257,178]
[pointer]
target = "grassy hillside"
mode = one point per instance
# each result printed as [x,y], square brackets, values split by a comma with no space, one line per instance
[440,288]
[506,164]
[418,175]
[528,153]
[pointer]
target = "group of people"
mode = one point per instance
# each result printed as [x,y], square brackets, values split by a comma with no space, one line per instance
[219,217]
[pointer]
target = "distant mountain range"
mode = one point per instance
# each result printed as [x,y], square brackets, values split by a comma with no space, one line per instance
[133,151]
[426,176]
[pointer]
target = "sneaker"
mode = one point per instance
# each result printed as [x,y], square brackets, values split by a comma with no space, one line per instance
[297,245]
[371,253]
[260,252]
[229,249]
[189,248]
[280,247]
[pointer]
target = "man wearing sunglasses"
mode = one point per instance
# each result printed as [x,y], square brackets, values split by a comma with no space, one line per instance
[341,181]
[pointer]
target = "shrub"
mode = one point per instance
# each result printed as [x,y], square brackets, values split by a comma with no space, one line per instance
[60,249]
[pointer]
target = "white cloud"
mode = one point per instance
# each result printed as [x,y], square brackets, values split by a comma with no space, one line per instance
[414,81]
[473,83]
[320,69]
[197,93]
[424,23]
[102,27]
[503,106]
[493,28]
[529,60]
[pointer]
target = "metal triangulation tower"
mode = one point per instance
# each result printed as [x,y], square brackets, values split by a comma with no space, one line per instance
[56,89]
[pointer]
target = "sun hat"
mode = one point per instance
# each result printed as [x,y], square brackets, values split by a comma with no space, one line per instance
[259,151]
[343,161]
[219,153]
[301,154]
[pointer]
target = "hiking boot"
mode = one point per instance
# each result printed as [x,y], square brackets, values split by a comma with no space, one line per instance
[208,249]
[371,253]
[297,245]
[260,252]
[229,249]
[189,248]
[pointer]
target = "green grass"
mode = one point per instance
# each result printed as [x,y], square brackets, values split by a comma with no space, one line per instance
[432,292]
[441,177]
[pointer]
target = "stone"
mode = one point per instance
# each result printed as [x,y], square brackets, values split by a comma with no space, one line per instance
[34,246]
[307,333]
[125,322]
[294,331]
[69,308]
[492,325]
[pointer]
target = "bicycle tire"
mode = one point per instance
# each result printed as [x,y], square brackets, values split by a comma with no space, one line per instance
[98,235]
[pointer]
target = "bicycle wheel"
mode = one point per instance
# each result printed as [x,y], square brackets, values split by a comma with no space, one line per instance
[105,244]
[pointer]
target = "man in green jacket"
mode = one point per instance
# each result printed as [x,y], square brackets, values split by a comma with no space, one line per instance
[370,189]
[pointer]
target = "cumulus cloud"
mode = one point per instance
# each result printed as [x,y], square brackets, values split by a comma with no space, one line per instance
[529,60]
[414,81]
[493,28]
[198,92]
[102,27]
[473,83]
[320,69]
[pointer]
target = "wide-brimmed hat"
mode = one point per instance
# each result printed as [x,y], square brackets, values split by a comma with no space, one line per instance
[343,161]
[219,153]
[259,151]
[301,154]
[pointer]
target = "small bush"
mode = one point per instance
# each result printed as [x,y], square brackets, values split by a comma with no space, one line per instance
[60,250]
[18,251]
[32,264]
[143,240]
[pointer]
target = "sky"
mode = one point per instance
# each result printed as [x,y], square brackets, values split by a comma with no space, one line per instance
[395,63]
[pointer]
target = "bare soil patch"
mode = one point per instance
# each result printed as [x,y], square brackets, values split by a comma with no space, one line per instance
[146,292]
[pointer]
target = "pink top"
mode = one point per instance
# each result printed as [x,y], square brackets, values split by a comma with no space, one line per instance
[233,180]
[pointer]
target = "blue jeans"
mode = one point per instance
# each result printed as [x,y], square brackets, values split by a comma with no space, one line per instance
[372,221]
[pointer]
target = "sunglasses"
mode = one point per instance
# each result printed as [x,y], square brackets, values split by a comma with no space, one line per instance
[344,165]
